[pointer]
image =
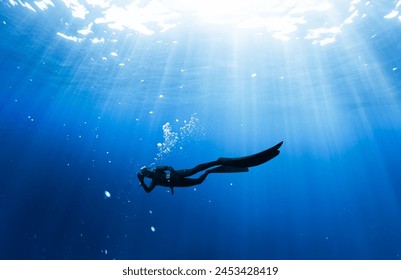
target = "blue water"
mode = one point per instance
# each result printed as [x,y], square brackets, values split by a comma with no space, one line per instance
[79,117]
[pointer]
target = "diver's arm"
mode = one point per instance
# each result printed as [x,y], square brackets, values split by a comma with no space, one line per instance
[147,189]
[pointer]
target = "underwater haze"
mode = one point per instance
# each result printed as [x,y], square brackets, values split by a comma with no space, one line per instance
[92,90]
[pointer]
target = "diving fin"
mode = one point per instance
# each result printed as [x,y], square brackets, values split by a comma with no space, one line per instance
[252,160]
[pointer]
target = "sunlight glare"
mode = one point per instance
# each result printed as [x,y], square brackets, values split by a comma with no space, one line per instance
[282,19]
[228,11]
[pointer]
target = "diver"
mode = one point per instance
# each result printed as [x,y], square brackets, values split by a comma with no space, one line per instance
[167,176]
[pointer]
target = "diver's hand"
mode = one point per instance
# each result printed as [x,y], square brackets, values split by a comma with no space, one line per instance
[147,189]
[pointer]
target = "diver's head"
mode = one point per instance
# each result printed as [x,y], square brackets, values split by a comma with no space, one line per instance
[145,172]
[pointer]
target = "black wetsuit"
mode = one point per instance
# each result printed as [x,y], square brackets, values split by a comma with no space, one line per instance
[176,178]
[168,177]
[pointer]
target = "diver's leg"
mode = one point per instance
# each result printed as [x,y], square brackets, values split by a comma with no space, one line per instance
[189,182]
[198,168]
[227,169]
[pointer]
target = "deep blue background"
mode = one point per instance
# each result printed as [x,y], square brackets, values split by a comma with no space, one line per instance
[74,125]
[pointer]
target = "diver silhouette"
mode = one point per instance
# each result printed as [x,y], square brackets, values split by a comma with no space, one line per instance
[179,178]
